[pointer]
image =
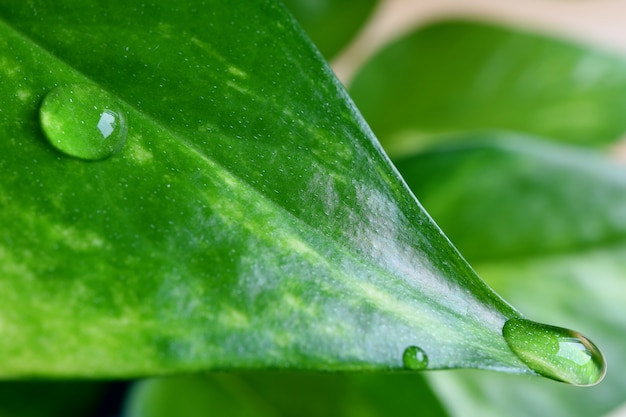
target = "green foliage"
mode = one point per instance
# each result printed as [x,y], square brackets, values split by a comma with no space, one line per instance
[249,219]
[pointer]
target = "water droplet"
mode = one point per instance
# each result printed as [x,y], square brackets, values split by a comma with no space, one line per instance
[555,352]
[414,358]
[83,121]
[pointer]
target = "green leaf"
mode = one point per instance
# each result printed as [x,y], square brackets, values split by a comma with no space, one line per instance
[337,395]
[331,23]
[457,76]
[552,199]
[249,219]
[551,238]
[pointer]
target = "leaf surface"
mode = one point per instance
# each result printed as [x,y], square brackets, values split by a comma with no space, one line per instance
[251,220]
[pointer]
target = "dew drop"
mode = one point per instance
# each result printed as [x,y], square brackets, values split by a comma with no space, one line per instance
[554,352]
[414,358]
[83,121]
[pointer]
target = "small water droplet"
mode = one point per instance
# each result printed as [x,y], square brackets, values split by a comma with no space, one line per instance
[555,352]
[414,358]
[83,121]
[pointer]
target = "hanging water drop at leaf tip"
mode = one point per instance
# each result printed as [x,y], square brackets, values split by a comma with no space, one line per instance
[554,352]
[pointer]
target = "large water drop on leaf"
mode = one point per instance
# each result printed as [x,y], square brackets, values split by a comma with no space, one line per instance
[83,121]
[554,352]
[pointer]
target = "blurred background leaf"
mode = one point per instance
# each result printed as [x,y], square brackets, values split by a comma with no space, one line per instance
[285,395]
[331,24]
[457,76]
[502,195]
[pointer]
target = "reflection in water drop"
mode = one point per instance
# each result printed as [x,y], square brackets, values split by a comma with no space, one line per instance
[83,121]
[414,358]
[556,353]
[107,123]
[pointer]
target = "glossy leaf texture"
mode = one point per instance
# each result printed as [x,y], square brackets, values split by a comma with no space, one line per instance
[553,242]
[331,24]
[250,220]
[269,395]
[457,76]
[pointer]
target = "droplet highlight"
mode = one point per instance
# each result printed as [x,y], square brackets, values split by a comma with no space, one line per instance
[554,352]
[414,358]
[83,121]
